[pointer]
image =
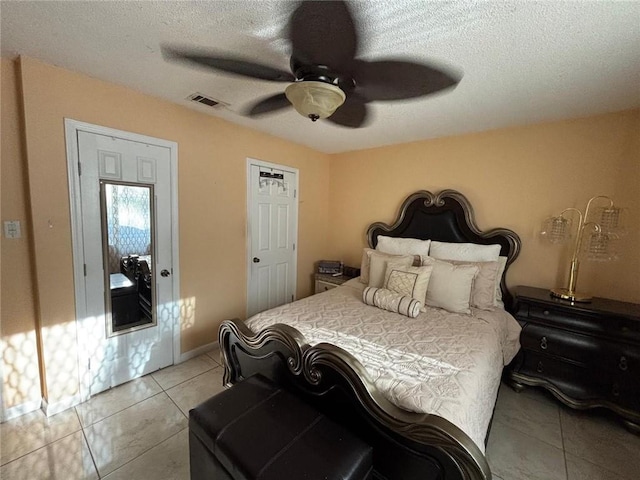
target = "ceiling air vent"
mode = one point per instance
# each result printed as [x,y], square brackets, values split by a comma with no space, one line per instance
[211,102]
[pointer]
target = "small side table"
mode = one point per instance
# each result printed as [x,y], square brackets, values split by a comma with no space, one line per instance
[325,281]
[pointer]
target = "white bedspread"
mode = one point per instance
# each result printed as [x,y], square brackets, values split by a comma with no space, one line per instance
[441,363]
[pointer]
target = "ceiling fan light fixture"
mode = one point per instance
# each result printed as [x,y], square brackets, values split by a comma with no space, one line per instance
[315,99]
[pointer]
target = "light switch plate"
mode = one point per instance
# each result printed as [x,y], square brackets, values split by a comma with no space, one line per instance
[12,229]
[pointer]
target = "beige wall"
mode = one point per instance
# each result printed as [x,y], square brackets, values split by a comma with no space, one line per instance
[514,178]
[18,310]
[212,191]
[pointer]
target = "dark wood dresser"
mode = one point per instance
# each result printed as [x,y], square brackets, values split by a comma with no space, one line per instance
[586,354]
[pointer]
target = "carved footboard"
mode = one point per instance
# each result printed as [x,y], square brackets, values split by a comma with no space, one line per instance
[407,445]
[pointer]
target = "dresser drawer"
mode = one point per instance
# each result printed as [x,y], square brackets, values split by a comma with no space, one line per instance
[618,375]
[622,359]
[610,326]
[324,286]
[570,378]
[550,341]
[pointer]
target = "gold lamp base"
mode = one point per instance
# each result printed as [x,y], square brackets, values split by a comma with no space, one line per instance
[566,294]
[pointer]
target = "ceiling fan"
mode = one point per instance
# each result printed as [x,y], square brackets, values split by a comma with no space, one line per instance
[326,78]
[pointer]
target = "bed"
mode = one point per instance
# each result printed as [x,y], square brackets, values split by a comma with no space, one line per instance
[420,390]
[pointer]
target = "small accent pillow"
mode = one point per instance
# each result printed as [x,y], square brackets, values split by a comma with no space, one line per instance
[378,266]
[468,252]
[402,246]
[407,280]
[450,286]
[365,264]
[391,301]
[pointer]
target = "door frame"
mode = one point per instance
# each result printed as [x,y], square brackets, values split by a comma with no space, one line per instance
[249,256]
[72,127]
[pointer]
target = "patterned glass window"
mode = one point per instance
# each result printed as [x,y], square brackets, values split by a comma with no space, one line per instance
[128,210]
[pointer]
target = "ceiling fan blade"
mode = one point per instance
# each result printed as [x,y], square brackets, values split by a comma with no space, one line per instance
[399,79]
[323,33]
[228,64]
[268,105]
[353,112]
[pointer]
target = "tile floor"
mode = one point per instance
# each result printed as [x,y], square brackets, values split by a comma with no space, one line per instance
[139,431]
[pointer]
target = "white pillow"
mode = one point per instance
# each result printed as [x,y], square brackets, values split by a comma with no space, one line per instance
[402,246]
[407,280]
[450,286]
[378,266]
[484,272]
[366,261]
[468,252]
[483,291]
[502,264]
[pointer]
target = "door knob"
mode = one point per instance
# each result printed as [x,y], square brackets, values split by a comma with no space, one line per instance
[165,273]
[256,260]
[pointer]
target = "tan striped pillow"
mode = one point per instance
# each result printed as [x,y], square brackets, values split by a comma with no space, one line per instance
[391,301]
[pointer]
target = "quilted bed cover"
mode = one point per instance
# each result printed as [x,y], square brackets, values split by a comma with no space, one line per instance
[439,362]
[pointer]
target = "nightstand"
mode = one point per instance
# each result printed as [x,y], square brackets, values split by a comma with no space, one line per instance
[326,281]
[586,354]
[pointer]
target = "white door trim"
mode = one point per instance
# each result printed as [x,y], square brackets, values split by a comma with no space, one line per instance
[286,168]
[72,127]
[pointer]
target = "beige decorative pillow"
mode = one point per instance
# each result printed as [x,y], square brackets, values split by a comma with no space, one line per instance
[365,264]
[378,266]
[402,246]
[411,281]
[502,264]
[467,252]
[483,292]
[391,301]
[450,285]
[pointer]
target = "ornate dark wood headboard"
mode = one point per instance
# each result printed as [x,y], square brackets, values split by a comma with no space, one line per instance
[447,217]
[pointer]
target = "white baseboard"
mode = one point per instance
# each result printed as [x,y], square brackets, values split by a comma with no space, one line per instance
[19,410]
[197,352]
[50,409]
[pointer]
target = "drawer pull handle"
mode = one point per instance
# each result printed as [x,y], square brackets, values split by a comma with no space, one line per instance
[543,343]
[615,390]
[546,312]
[540,367]
[623,365]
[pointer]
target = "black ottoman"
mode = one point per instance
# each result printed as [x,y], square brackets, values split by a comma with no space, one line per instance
[257,431]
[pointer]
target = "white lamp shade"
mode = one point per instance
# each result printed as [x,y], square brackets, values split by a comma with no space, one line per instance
[314,99]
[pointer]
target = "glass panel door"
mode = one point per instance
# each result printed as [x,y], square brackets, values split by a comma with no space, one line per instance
[127,215]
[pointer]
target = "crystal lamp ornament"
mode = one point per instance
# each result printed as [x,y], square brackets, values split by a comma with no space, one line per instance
[600,243]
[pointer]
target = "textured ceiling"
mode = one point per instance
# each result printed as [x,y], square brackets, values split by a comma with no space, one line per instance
[523,62]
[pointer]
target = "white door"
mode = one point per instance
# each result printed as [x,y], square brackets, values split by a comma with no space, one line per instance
[137,177]
[272,230]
